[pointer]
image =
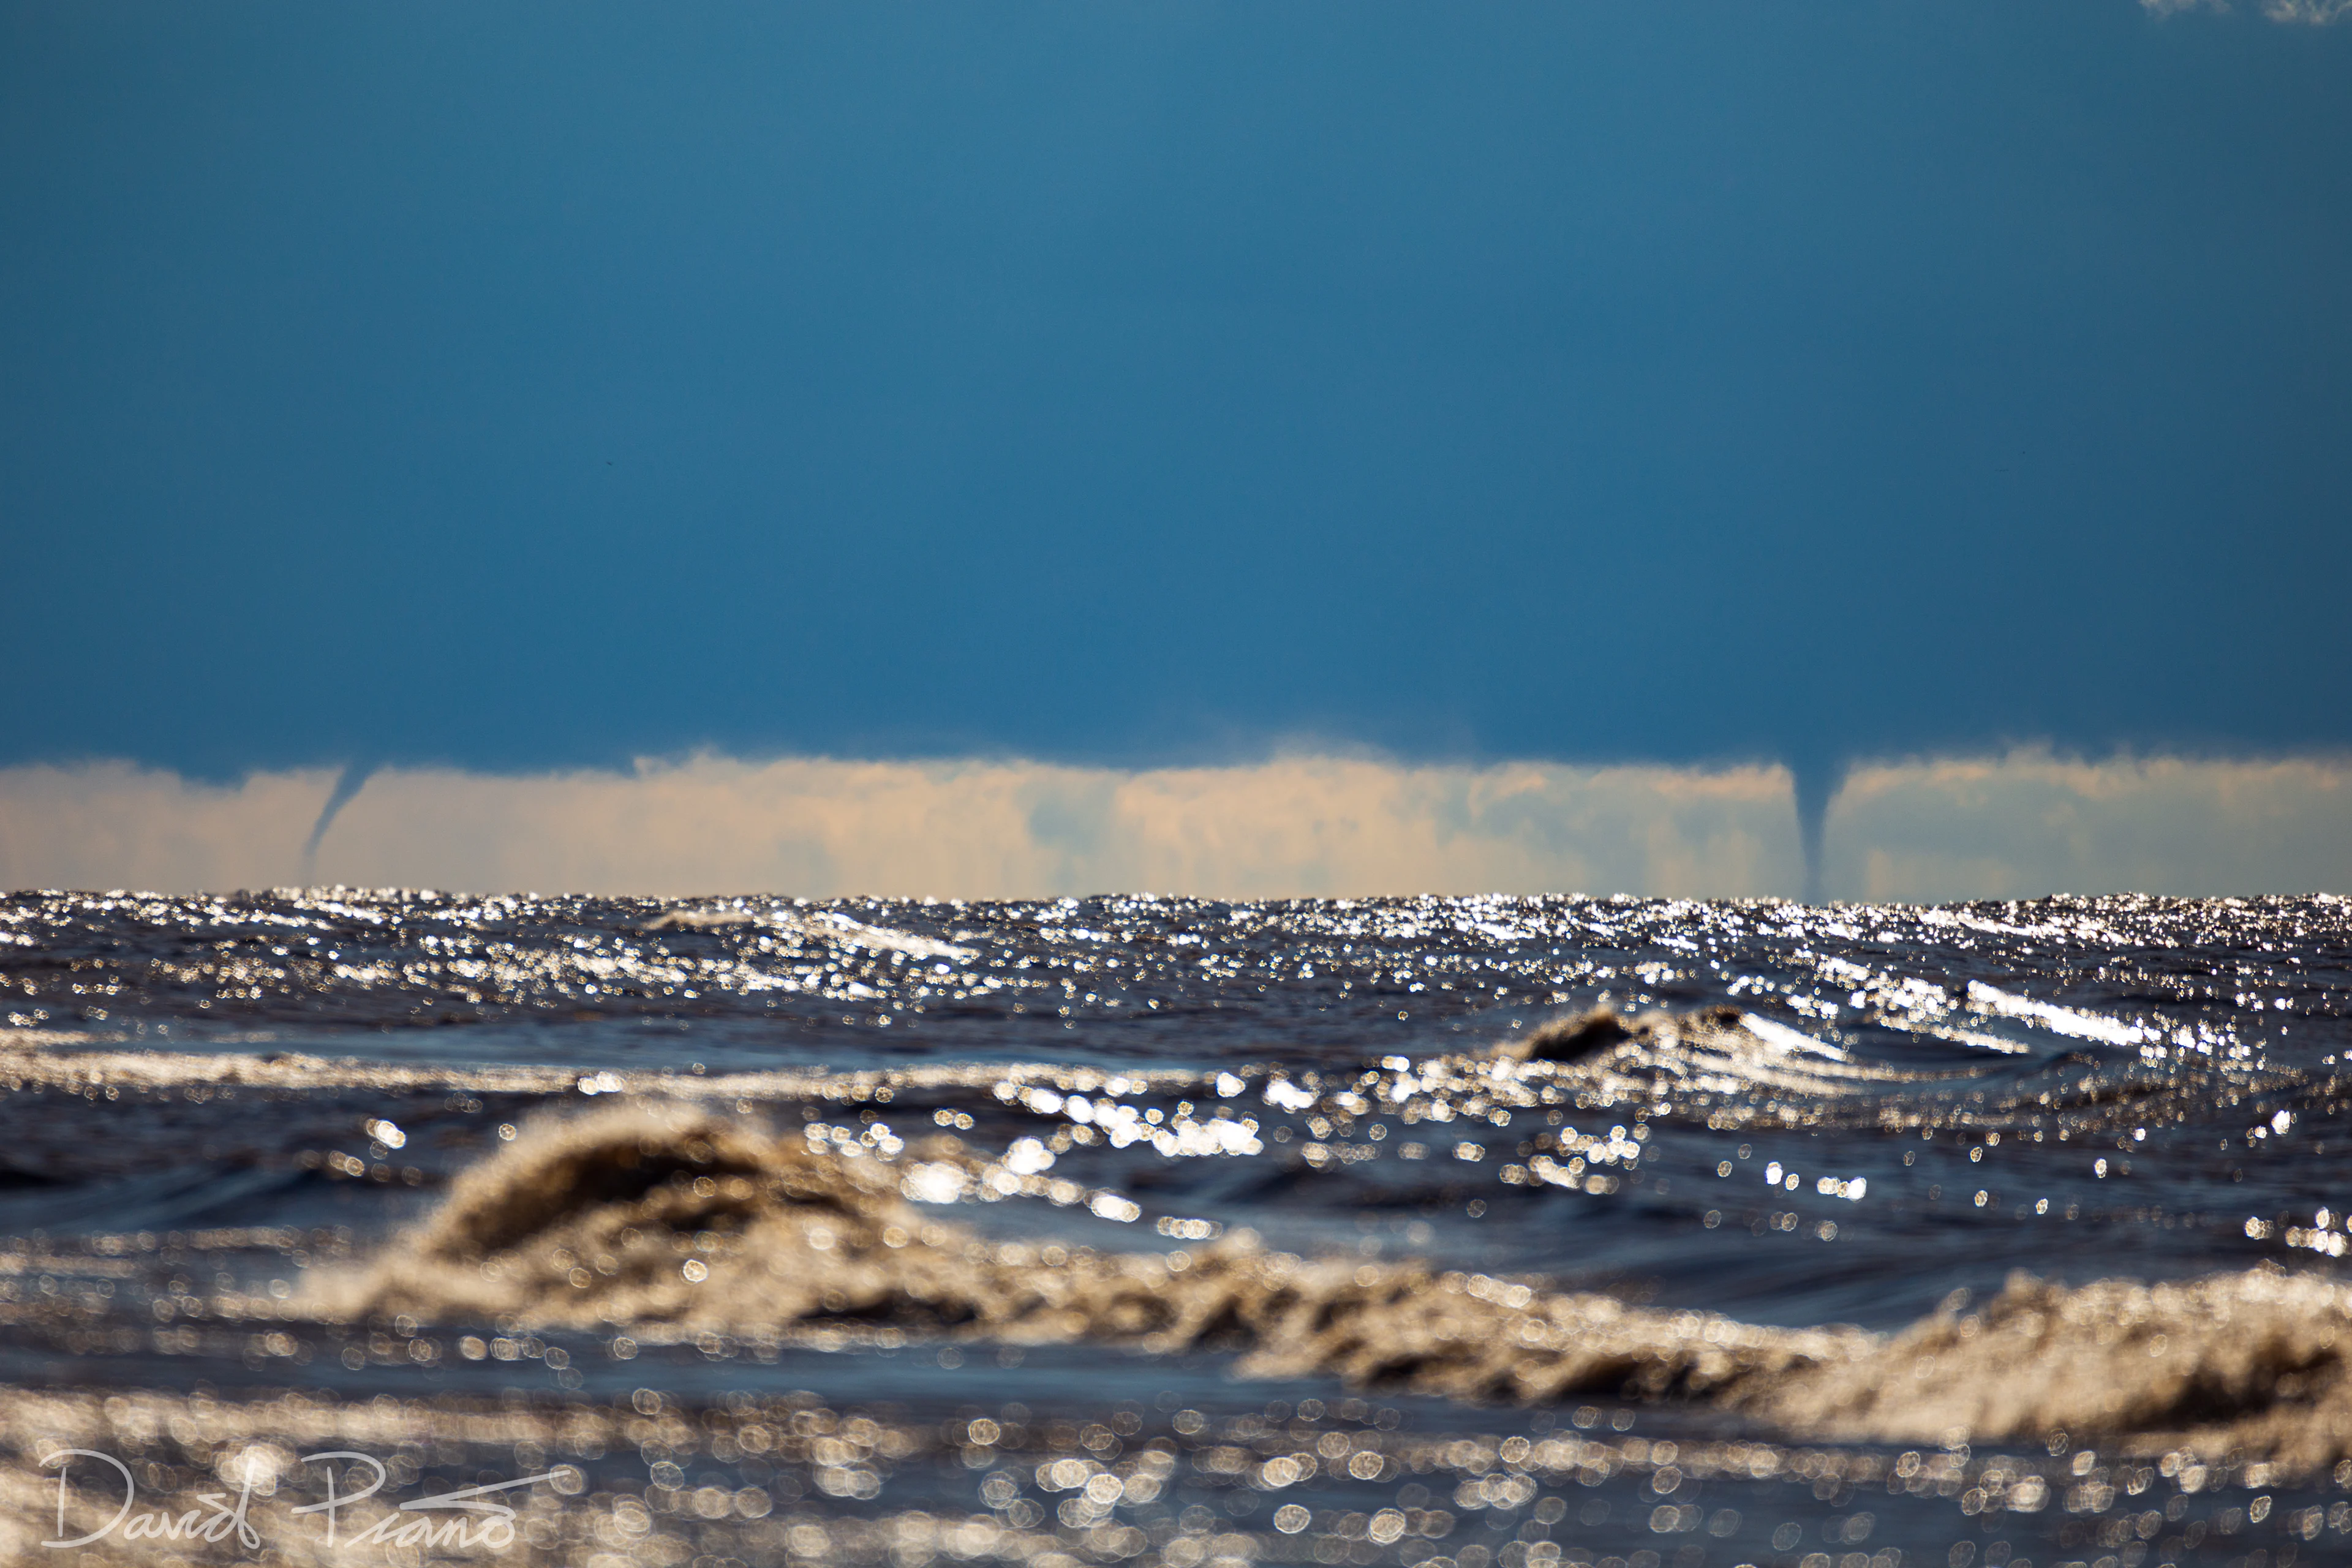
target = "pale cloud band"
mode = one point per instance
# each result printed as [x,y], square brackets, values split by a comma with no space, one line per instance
[2013,825]
[2308,13]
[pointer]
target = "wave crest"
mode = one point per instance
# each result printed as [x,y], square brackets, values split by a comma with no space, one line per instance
[683,1222]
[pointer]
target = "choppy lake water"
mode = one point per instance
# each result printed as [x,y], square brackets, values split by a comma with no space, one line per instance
[1155,1231]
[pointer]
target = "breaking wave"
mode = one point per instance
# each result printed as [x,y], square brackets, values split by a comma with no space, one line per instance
[679,1222]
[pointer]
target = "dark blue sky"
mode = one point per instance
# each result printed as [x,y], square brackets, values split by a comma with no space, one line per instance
[515,385]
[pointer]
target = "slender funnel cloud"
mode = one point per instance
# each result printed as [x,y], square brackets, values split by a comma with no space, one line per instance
[348,784]
[1815,781]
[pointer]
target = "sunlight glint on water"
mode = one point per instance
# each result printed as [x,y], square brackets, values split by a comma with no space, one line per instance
[1150,1230]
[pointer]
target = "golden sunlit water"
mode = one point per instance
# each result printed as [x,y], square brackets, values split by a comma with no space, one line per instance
[1451,1233]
